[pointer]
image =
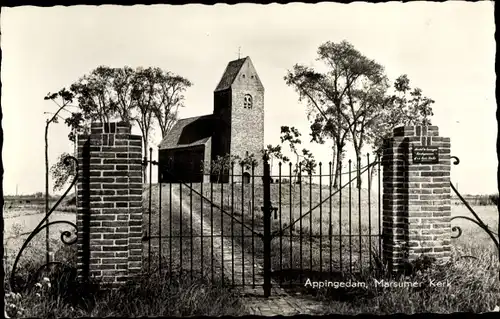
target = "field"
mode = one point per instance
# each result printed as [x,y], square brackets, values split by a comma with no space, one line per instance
[473,239]
[19,222]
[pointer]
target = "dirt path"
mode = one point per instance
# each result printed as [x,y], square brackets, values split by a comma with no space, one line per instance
[281,303]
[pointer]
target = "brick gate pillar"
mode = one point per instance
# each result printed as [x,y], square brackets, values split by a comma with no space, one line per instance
[109,204]
[416,196]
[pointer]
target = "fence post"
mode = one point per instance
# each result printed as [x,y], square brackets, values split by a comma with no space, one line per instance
[267,227]
[109,204]
[416,196]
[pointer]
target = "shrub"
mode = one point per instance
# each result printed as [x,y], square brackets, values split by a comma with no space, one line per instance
[494,199]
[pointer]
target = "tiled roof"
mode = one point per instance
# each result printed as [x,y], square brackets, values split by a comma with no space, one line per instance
[189,132]
[230,74]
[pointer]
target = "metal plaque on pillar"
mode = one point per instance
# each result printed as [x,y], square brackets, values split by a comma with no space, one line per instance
[425,154]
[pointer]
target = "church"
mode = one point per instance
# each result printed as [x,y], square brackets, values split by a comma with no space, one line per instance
[235,127]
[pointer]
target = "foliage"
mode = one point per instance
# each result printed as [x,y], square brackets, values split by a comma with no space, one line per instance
[308,163]
[78,125]
[60,294]
[494,199]
[274,152]
[142,101]
[400,109]
[325,98]
[129,95]
[65,95]
[473,287]
[359,85]
[169,98]
[221,165]
[96,96]
[249,161]
[305,161]
[65,98]
[62,171]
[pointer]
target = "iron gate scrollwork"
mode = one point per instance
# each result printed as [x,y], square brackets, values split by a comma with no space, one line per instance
[477,221]
[65,235]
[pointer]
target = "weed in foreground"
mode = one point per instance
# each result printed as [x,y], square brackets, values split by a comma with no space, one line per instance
[57,292]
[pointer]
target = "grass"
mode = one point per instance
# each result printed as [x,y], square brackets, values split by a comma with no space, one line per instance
[474,282]
[477,200]
[176,292]
[474,287]
[173,296]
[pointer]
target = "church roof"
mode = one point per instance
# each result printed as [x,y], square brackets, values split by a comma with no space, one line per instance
[230,74]
[188,132]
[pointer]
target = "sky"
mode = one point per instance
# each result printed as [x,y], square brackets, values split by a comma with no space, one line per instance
[446,49]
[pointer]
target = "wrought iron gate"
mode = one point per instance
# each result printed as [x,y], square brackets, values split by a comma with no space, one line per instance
[318,232]
[263,230]
[17,282]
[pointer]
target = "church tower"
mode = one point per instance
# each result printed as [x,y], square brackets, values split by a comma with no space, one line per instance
[239,104]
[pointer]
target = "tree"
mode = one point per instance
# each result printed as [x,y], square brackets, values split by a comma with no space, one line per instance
[171,89]
[350,100]
[135,96]
[336,130]
[123,86]
[326,96]
[96,95]
[100,97]
[65,97]
[305,160]
[221,165]
[308,163]
[145,96]
[405,106]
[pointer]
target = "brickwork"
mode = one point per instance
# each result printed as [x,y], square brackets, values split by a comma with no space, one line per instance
[246,125]
[109,204]
[416,198]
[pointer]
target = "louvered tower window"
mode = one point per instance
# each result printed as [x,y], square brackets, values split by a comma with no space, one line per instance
[247,102]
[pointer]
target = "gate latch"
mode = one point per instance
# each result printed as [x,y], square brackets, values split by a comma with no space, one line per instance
[273,209]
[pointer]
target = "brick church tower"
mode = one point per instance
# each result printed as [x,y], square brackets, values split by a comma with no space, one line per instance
[239,104]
